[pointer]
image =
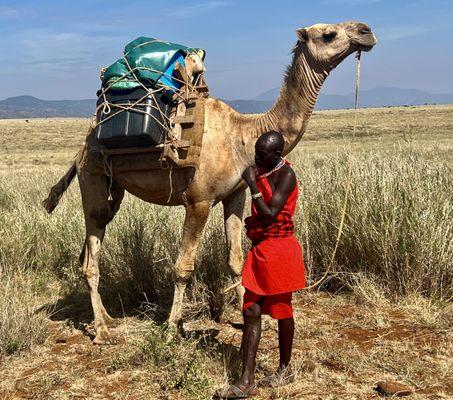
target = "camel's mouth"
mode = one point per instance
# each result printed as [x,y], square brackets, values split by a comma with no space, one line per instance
[365,42]
[364,45]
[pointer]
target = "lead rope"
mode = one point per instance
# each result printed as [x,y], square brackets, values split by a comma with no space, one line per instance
[348,181]
[347,191]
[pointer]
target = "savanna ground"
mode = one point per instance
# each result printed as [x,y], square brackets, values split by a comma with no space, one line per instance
[385,312]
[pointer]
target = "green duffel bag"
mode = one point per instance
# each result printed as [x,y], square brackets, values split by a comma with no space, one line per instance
[151,62]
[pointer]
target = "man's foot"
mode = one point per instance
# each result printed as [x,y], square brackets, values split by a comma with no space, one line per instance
[280,378]
[236,391]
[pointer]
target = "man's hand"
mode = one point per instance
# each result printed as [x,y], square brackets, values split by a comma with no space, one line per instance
[249,175]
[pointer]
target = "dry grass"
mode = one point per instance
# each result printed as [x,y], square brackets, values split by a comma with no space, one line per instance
[40,142]
[394,269]
[21,324]
[397,227]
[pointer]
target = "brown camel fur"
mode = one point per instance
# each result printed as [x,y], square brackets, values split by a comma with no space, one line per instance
[228,148]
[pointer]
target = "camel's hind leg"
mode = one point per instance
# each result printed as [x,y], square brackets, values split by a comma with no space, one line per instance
[99,211]
[196,217]
[233,211]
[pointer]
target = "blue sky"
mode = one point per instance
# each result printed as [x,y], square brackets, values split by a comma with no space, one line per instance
[54,49]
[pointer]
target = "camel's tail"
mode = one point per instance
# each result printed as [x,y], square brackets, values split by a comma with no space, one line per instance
[58,190]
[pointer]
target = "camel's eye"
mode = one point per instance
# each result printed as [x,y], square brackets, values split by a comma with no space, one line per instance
[329,36]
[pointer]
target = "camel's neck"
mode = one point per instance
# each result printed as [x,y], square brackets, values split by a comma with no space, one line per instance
[291,112]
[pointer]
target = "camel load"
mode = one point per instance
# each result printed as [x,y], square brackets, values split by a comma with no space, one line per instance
[152,103]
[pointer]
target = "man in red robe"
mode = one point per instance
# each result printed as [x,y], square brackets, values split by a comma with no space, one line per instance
[274,266]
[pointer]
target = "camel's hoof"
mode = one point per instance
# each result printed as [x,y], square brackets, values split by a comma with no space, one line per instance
[173,331]
[112,322]
[100,341]
[103,337]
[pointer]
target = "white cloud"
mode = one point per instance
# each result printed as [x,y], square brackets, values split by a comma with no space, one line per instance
[192,10]
[402,32]
[45,50]
[352,2]
[22,12]
[9,13]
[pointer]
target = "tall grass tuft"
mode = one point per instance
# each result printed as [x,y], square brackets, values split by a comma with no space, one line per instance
[21,324]
[398,221]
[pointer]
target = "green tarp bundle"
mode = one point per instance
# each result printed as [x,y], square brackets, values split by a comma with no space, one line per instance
[152,62]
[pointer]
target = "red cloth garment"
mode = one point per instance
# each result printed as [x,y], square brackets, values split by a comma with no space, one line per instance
[278,306]
[275,262]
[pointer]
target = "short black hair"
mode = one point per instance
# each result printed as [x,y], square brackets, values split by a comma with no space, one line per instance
[272,139]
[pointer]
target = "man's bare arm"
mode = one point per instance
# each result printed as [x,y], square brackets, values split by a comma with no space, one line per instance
[285,185]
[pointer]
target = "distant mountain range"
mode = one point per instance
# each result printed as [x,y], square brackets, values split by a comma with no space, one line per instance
[378,97]
[31,107]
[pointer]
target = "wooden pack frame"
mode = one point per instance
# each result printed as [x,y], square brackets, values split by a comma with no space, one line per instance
[182,146]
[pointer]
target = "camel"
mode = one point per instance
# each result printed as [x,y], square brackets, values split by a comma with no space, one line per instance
[228,148]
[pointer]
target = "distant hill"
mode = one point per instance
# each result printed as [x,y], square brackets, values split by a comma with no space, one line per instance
[377,97]
[31,107]
[249,106]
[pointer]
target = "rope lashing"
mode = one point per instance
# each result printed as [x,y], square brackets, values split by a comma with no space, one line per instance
[108,170]
[170,179]
[347,188]
[139,105]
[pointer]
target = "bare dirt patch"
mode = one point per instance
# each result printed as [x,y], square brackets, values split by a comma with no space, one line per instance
[345,361]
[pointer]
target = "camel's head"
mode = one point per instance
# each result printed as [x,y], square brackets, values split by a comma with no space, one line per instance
[329,44]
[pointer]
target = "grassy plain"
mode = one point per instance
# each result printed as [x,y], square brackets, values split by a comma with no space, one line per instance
[385,312]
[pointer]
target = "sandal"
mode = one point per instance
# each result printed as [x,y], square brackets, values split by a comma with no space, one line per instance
[279,378]
[235,392]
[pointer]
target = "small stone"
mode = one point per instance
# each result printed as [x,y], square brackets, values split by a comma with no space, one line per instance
[307,366]
[392,388]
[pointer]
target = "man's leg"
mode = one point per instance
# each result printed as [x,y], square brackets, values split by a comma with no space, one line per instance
[250,340]
[245,385]
[281,309]
[285,341]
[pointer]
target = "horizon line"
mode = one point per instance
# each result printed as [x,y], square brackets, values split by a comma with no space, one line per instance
[249,99]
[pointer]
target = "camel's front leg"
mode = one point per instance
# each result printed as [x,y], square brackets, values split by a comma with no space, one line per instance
[233,211]
[196,217]
[98,213]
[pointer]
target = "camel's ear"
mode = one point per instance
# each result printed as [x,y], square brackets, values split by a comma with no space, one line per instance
[302,34]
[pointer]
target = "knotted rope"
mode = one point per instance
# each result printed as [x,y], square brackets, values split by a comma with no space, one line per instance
[347,188]
[139,105]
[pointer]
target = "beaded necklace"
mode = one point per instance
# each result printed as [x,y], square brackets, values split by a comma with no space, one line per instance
[276,168]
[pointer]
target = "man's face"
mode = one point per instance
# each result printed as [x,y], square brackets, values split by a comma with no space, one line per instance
[266,157]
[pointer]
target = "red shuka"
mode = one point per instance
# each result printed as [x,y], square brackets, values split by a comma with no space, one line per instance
[275,263]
